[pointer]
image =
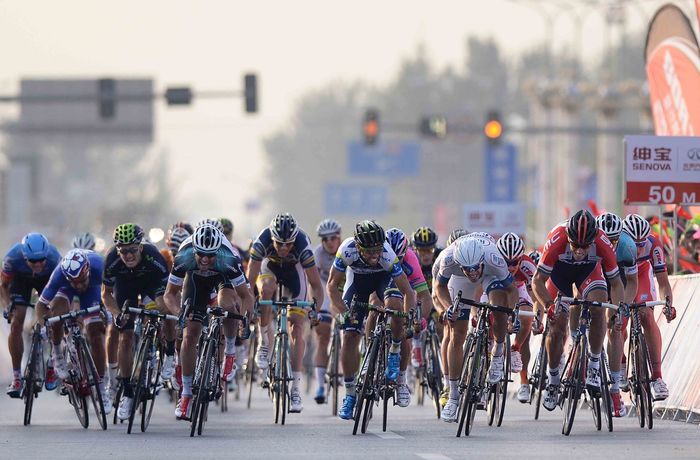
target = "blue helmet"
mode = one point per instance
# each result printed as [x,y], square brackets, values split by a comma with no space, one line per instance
[35,246]
[398,241]
[75,264]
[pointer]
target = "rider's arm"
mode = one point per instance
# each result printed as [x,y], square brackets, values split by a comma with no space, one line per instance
[254,267]
[426,303]
[664,286]
[409,296]
[316,286]
[109,301]
[540,289]
[443,294]
[4,291]
[617,290]
[335,278]
[171,296]
[247,299]
[631,287]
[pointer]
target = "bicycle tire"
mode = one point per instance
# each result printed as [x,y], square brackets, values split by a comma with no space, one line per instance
[332,385]
[32,376]
[92,382]
[539,385]
[28,396]
[274,385]
[75,396]
[284,380]
[472,365]
[463,372]
[250,367]
[596,410]
[503,384]
[573,386]
[645,381]
[606,399]
[137,379]
[153,383]
[115,403]
[435,376]
[202,387]
[365,385]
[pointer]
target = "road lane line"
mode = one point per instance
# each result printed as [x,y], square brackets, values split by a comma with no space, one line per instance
[387,435]
[434,457]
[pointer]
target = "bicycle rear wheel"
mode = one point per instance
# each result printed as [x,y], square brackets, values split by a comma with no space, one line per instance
[573,385]
[76,396]
[365,384]
[115,403]
[92,380]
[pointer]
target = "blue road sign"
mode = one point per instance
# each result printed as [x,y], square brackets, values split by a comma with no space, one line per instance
[385,158]
[501,174]
[354,199]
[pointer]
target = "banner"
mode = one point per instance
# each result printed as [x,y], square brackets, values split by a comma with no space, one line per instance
[673,72]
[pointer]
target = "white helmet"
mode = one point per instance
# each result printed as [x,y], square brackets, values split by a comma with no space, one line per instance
[637,226]
[328,227]
[207,239]
[84,241]
[469,253]
[511,246]
[215,222]
[610,224]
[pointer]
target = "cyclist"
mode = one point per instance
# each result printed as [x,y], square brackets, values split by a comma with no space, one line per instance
[205,262]
[650,263]
[135,270]
[626,255]
[84,241]
[411,267]
[173,240]
[27,266]
[368,265]
[478,265]
[227,229]
[79,275]
[282,255]
[571,256]
[523,269]
[329,231]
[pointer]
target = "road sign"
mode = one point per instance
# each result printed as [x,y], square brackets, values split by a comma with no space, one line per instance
[501,174]
[356,199]
[662,170]
[383,159]
[494,218]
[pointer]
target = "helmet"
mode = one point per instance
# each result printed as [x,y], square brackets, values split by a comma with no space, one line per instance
[35,246]
[369,234]
[215,222]
[610,224]
[227,226]
[175,238]
[637,226]
[207,239]
[511,246]
[328,227]
[84,241]
[75,264]
[398,241]
[424,237]
[581,228]
[535,256]
[183,224]
[456,233]
[128,234]
[284,228]
[469,253]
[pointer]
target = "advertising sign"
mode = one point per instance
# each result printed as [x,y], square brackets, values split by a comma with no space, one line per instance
[494,218]
[662,170]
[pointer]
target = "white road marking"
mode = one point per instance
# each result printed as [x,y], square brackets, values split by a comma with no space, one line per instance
[434,457]
[387,435]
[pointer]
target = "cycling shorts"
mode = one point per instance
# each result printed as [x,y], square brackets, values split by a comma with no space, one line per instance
[197,289]
[361,286]
[21,287]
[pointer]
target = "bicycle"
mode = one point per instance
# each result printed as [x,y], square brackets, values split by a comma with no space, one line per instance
[639,367]
[34,372]
[250,368]
[574,374]
[145,373]
[83,380]
[538,376]
[477,360]
[333,374]
[208,384]
[372,385]
[429,378]
[279,372]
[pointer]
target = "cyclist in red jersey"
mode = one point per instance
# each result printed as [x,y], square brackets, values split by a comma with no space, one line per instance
[576,253]
[650,263]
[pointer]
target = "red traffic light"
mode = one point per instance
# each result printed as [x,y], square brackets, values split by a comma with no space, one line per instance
[370,127]
[493,129]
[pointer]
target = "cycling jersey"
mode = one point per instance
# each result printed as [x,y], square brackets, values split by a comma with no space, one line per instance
[411,267]
[526,270]
[348,256]
[324,262]
[20,279]
[650,250]
[59,286]
[428,269]
[301,252]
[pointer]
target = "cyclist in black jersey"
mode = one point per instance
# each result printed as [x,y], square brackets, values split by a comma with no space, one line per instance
[206,262]
[134,272]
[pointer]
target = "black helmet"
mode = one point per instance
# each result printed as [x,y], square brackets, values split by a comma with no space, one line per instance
[284,228]
[369,234]
[456,233]
[582,228]
[424,237]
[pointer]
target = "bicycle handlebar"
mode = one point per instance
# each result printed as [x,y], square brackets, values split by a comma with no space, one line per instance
[649,303]
[379,309]
[151,313]
[487,305]
[590,303]
[288,303]
[218,311]
[73,314]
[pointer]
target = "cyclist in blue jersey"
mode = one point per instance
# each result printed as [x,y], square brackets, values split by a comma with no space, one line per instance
[26,267]
[626,253]
[78,276]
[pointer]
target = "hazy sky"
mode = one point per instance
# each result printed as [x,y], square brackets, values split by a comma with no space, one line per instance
[294,46]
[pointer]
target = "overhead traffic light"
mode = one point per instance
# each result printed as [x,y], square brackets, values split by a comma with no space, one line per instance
[178,95]
[434,126]
[250,81]
[370,126]
[493,128]
[107,98]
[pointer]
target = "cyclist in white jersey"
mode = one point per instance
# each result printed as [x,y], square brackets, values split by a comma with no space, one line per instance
[477,257]
[329,232]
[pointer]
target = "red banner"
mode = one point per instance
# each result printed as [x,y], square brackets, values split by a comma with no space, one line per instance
[673,72]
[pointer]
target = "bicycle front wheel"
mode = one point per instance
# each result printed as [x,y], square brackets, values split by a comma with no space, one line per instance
[573,384]
[364,397]
[540,377]
[606,399]
[502,386]
[201,388]
[93,382]
[644,376]
[32,377]
[149,397]
[471,374]
[138,379]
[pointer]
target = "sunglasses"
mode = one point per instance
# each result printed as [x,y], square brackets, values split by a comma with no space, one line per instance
[283,243]
[329,238]
[205,254]
[372,251]
[640,244]
[36,261]
[513,263]
[579,246]
[125,251]
[472,269]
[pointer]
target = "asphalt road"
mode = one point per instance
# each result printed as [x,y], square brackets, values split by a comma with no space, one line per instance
[315,434]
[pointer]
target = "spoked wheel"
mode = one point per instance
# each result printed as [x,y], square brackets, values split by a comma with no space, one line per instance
[595,405]
[28,396]
[573,384]
[92,380]
[365,398]
[150,398]
[224,395]
[77,399]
